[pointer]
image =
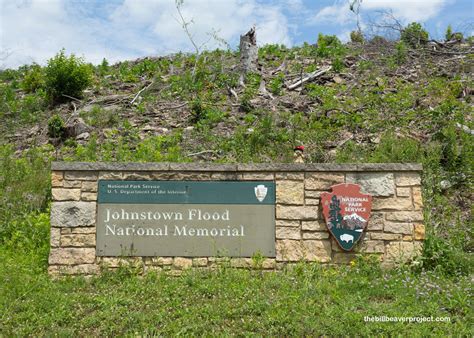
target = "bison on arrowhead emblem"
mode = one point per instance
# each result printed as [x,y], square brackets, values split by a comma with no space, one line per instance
[346,211]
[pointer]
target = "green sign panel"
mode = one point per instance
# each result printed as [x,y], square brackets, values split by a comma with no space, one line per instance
[186,218]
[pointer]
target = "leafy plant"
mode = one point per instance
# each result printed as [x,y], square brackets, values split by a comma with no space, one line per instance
[329,45]
[34,79]
[449,33]
[400,52]
[276,84]
[414,35]
[56,127]
[66,76]
[357,37]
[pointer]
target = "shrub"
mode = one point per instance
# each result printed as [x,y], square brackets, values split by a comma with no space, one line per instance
[357,37]
[56,127]
[328,45]
[66,76]
[33,80]
[414,35]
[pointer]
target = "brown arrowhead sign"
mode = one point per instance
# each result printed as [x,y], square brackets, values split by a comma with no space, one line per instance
[346,211]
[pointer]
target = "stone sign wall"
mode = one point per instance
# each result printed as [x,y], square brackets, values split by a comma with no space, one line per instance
[394,233]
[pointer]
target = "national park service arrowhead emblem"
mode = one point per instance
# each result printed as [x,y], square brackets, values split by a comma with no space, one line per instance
[260,192]
[346,211]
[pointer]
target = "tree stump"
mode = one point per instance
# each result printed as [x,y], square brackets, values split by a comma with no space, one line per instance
[248,52]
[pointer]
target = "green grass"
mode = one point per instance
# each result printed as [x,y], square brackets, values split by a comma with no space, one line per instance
[307,299]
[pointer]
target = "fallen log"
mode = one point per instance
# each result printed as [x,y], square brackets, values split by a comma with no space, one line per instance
[309,77]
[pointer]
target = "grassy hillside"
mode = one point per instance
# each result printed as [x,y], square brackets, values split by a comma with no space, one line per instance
[380,102]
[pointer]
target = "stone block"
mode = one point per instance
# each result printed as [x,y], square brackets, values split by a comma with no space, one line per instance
[288,233]
[315,235]
[159,261]
[71,256]
[137,176]
[241,262]
[89,186]
[72,214]
[407,238]
[199,262]
[403,192]
[313,194]
[81,175]
[290,176]
[407,179]
[311,201]
[405,216]
[401,251]
[55,236]
[417,198]
[269,263]
[316,250]
[335,245]
[376,184]
[296,212]
[283,223]
[57,179]
[372,246]
[288,250]
[392,203]
[385,237]
[60,194]
[399,228]
[115,262]
[81,269]
[72,184]
[419,231]
[322,181]
[78,240]
[89,196]
[258,176]
[314,226]
[182,263]
[81,230]
[232,176]
[290,192]
[110,175]
[376,221]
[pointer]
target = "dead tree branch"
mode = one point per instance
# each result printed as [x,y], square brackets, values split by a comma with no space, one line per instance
[309,77]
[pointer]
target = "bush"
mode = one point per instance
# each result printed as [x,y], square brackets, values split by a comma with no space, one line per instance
[414,35]
[328,45]
[66,76]
[33,80]
[357,37]
[56,127]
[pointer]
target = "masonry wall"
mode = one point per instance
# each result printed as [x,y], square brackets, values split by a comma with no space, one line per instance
[395,229]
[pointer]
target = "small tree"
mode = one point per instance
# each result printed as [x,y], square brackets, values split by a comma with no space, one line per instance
[414,35]
[449,33]
[66,77]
